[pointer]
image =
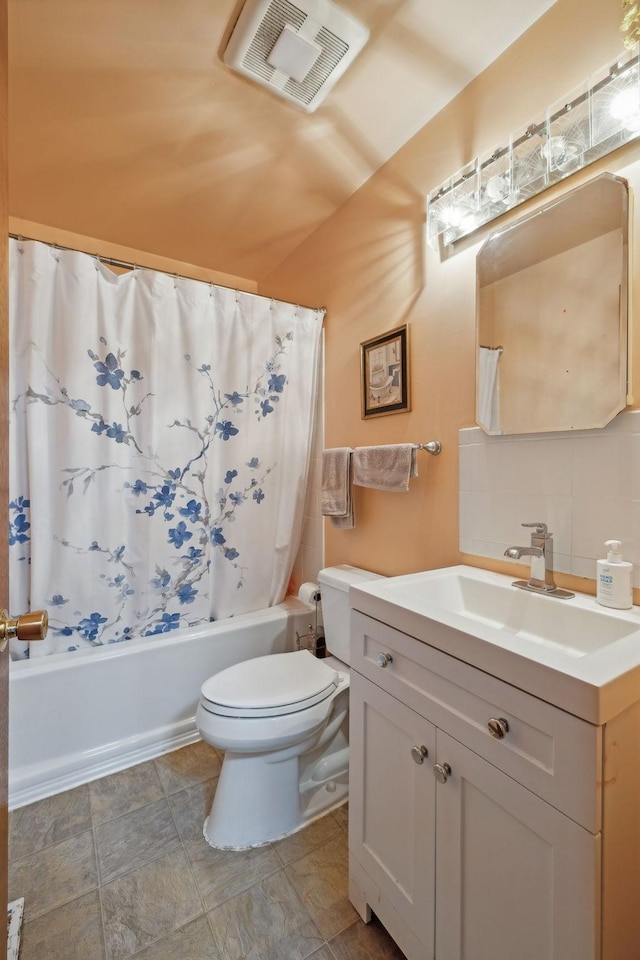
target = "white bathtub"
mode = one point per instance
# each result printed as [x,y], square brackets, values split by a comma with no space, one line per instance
[74,717]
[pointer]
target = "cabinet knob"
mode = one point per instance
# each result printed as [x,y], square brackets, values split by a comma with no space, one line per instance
[419,753]
[442,772]
[498,727]
[384,659]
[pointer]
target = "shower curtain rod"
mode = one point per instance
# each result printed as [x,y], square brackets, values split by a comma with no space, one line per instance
[112,261]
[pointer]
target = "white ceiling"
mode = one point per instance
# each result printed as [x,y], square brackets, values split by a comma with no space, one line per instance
[124,124]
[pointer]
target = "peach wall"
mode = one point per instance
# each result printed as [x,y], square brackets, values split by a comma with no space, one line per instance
[369,266]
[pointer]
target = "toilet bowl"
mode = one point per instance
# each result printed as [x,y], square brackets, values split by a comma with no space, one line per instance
[282,721]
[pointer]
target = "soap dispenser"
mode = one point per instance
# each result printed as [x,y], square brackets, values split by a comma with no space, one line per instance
[614,578]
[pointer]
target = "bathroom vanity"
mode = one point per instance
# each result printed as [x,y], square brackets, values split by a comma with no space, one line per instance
[495,769]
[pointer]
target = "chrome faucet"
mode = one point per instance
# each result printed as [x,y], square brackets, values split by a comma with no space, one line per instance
[541,578]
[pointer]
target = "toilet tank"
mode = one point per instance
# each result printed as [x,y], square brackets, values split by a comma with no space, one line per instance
[334,591]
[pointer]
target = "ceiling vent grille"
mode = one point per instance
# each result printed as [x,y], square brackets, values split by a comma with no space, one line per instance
[326,37]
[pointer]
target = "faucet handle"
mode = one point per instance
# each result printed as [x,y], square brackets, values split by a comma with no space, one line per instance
[541,528]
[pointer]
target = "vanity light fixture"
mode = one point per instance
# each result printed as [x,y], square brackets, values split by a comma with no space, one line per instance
[586,124]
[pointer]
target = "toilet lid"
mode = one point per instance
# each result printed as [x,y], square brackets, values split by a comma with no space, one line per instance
[277,684]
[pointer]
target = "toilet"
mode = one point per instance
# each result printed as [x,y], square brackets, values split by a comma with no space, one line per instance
[282,721]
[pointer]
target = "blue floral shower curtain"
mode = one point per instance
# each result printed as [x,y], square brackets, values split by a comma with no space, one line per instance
[160,437]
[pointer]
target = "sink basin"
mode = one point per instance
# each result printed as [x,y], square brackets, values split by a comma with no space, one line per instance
[570,629]
[575,653]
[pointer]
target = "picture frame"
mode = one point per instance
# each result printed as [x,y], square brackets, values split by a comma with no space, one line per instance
[384,373]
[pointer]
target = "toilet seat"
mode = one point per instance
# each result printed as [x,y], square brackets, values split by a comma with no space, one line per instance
[271,686]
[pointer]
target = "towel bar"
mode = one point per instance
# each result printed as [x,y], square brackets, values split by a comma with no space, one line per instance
[433,446]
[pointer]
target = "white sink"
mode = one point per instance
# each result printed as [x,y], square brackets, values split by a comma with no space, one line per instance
[569,628]
[562,648]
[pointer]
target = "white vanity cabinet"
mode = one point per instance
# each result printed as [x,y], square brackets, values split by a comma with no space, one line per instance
[473,845]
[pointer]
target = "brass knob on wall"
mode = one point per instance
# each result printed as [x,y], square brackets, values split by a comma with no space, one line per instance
[30,626]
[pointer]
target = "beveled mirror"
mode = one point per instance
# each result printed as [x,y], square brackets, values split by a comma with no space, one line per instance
[551,319]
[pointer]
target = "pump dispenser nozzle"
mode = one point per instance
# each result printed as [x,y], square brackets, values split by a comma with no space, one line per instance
[613,546]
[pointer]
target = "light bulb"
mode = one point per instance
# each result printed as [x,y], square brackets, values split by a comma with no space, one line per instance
[554,150]
[456,214]
[498,187]
[626,108]
[458,220]
[625,104]
[561,154]
[452,216]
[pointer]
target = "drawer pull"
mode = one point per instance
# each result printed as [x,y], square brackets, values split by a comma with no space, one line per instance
[442,772]
[384,659]
[419,753]
[498,728]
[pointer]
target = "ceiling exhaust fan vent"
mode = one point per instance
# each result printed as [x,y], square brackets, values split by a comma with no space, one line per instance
[297,50]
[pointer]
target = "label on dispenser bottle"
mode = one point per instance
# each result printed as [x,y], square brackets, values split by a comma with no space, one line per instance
[614,585]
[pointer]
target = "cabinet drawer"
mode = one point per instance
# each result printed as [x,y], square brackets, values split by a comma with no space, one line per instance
[554,754]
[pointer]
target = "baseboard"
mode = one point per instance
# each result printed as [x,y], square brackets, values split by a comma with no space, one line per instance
[37,781]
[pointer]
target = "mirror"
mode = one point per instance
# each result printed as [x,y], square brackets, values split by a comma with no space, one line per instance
[551,346]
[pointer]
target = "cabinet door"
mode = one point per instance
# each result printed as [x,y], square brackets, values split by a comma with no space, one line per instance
[391,803]
[516,878]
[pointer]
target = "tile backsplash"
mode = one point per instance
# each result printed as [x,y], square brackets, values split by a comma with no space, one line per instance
[585,485]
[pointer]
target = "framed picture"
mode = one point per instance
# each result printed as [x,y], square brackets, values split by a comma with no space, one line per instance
[384,366]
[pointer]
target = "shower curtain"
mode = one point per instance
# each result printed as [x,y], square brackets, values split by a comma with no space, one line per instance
[160,433]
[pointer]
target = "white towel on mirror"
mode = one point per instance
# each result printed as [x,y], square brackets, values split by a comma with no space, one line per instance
[489,388]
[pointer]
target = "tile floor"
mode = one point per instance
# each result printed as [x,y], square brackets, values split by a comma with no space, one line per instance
[118,868]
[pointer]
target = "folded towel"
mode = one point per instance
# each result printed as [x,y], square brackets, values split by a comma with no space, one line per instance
[347,522]
[337,493]
[387,467]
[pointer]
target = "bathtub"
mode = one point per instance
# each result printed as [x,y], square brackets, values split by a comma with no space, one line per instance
[77,716]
